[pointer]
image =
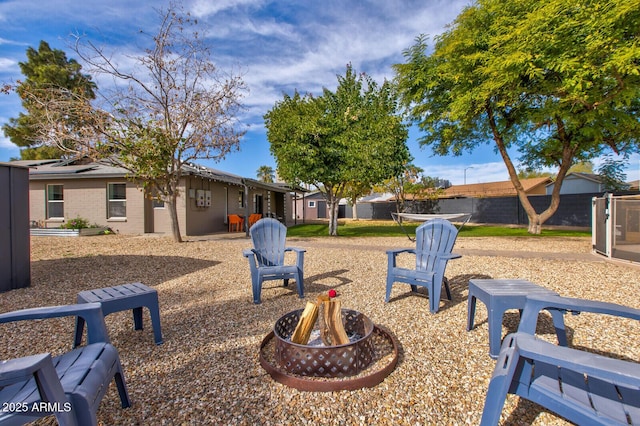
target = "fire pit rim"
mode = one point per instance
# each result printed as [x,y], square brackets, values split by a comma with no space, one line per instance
[304,383]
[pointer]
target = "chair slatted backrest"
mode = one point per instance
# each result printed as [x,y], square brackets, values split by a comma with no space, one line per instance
[434,237]
[269,237]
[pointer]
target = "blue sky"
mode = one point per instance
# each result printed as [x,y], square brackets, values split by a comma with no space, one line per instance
[278,46]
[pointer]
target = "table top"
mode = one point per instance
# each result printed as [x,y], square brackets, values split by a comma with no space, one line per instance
[508,287]
[113,293]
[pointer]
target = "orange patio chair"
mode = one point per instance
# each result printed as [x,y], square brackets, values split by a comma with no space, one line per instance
[235,223]
[253,218]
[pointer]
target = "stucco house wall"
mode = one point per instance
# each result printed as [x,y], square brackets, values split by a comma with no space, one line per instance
[85,191]
[307,207]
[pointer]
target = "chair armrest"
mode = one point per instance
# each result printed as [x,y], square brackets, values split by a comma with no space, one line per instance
[449,256]
[248,252]
[395,252]
[537,303]
[618,371]
[296,249]
[299,255]
[90,312]
[21,369]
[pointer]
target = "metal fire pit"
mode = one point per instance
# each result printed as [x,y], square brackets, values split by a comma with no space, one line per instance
[325,361]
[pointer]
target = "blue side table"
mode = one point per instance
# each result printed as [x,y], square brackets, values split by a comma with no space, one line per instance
[500,295]
[133,296]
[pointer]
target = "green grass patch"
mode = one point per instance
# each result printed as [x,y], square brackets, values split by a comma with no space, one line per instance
[366,228]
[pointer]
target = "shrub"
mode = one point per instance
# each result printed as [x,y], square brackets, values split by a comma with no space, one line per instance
[77,223]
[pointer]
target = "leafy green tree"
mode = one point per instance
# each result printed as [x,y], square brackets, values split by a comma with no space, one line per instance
[612,173]
[532,174]
[45,69]
[410,183]
[266,174]
[581,167]
[171,108]
[352,135]
[556,79]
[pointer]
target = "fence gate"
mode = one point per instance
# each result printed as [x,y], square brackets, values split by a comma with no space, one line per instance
[616,227]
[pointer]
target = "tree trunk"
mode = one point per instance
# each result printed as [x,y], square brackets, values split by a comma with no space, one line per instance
[354,209]
[535,220]
[173,214]
[332,194]
[333,216]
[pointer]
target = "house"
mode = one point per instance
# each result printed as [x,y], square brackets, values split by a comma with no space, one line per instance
[535,186]
[313,206]
[60,190]
[579,183]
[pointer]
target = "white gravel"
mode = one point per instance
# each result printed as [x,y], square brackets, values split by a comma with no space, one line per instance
[207,371]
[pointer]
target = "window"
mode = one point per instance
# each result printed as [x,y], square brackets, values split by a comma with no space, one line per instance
[157,202]
[116,200]
[241,199]
[312,204]
[55,202]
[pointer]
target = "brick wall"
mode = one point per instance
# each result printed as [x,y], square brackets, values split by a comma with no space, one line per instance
[87,199]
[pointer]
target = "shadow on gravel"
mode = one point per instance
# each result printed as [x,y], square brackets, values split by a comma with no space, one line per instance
[459,286]
[118,269]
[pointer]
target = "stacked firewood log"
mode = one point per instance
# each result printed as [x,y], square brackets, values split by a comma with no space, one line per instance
[327,311]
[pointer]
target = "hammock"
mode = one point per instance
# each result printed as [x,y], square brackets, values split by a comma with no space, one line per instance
[420,217]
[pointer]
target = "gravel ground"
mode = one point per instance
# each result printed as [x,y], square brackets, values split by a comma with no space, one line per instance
[207,370]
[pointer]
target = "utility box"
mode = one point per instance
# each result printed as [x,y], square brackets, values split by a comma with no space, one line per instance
[15,246]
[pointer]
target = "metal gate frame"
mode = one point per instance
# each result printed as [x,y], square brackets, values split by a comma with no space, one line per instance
[609,227]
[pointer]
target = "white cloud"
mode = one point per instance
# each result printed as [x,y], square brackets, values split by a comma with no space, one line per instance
[204,8]
[277,46]
[5,143]
[8,64]
[7,42]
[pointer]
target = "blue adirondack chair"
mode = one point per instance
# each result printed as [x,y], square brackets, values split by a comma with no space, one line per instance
[73,384]
[434,242]
[583,387]
[266,258]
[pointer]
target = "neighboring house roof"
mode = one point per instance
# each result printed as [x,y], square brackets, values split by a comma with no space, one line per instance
[579,183]
[579,175]
[313,195]
[496,189]
[79,169]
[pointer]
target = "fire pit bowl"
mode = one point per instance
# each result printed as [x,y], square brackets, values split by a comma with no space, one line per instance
[325,361]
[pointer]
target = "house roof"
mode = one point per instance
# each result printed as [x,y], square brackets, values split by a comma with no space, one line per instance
[2,163]
[70,169]
[79,169]
[494,189]
[579,175]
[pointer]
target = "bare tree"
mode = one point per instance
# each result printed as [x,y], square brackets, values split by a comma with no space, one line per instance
[174,106]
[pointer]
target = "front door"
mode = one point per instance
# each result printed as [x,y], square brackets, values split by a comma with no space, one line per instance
[258,204]
[322,209]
